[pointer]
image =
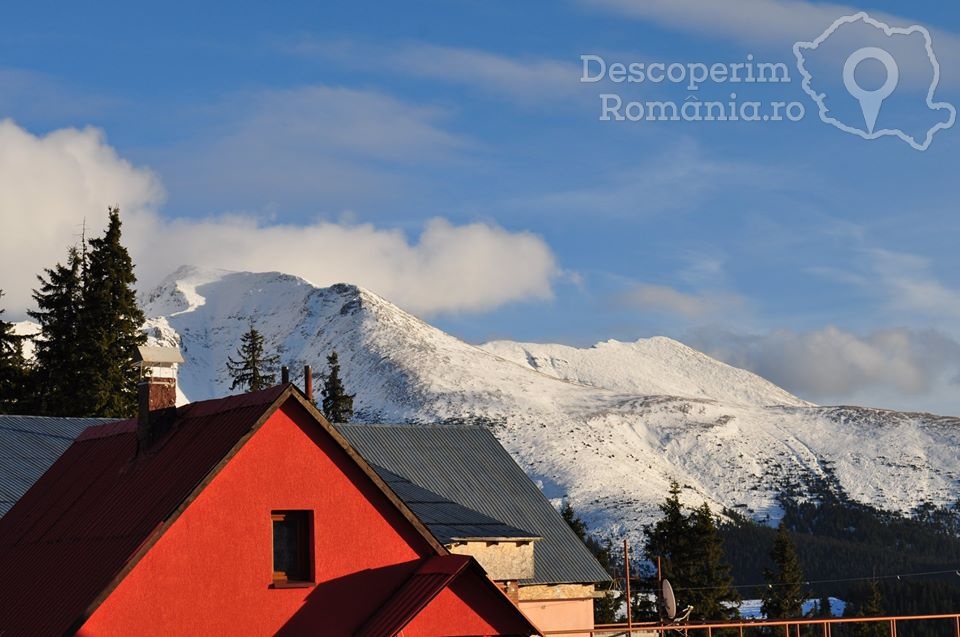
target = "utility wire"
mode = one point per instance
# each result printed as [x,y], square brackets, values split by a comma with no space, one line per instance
[808,582]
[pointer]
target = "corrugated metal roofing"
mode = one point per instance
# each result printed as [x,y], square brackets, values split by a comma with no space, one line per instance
[448,520]
[28,446]
[75,530]
[467,465]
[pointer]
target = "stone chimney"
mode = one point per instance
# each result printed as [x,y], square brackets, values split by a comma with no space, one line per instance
[157,392]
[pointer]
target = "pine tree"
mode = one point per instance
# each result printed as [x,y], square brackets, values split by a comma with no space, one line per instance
[337,404]
[111,324]
[784,596]
[58,354]
[13,369]
[253,370]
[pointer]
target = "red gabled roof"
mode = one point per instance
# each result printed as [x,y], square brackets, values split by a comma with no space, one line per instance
[434,575]
[81,528]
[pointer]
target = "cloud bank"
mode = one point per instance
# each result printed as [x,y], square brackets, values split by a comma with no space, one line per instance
[831,363]
[50,184]
[662,298]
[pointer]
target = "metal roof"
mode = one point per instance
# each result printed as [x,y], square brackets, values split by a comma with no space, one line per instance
[28,446]
[466,464]
[447,520]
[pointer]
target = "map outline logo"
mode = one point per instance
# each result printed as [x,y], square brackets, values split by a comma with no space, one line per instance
[871,103]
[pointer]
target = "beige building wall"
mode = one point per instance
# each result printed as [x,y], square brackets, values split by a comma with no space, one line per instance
[560,614]
[502,561]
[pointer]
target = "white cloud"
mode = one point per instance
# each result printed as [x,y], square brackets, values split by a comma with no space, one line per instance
[751,21]
[680,178]
[317,145]
[472,267]
[911,286]
[905,285]
[523,79]
[49,184]
[831,363]
[766,23]
[701,304]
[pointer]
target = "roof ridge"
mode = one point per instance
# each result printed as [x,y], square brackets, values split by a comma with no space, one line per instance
[45,434]
[412,425]
[199,409]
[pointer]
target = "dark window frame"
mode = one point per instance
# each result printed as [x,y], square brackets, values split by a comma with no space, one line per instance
[299,522]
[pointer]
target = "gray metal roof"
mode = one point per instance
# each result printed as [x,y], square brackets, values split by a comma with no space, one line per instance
[447,520]
[28,446]
[466,464]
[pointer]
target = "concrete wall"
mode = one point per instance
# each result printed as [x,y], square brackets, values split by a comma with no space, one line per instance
[501,560]
[556,591]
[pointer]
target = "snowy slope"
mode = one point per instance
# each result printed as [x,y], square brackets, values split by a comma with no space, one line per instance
[607,426]
[652,366]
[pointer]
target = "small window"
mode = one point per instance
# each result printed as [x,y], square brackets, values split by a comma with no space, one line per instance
[292,547]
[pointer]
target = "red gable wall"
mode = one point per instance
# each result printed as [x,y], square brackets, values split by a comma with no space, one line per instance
[472,613]
[210,573]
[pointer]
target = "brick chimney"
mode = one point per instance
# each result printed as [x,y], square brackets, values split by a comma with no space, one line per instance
[157,392]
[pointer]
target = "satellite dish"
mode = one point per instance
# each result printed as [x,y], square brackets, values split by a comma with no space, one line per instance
[667,601]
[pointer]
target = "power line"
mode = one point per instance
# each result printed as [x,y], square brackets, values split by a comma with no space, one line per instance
[896,576]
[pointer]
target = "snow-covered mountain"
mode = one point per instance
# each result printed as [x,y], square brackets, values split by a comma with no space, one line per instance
[607,426]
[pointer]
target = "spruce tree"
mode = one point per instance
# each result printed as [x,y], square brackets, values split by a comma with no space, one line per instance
[692,558]
[784,596]
[337,404]
[668,537]
[12,369]
[252,370]
[111,324]
[823,606]
[59,359]
[872,606]
[712,594]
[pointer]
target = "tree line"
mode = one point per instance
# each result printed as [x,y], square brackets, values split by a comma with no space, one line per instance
[90,324]
[689,546]
[823,547]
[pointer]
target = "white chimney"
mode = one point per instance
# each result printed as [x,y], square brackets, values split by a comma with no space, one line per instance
[157,391]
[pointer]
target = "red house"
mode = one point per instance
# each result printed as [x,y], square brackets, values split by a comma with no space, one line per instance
[248,515]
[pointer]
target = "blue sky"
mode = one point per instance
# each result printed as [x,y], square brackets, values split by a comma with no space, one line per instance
[824,261]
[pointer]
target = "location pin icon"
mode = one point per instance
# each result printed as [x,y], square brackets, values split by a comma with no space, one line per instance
[870,101]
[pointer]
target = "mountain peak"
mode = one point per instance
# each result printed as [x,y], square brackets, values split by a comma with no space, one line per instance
[606,426]
[656,366]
